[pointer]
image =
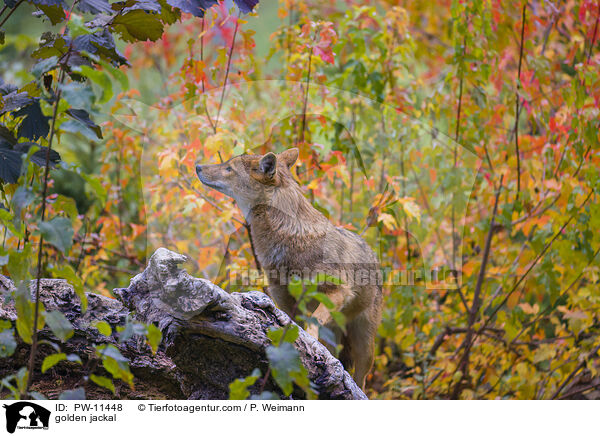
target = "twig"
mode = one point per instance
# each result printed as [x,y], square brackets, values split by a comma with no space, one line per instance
[594,35]
[473,312]
[303,126]
[258,266]
[82,252]
[456,137]
[579,391]
[517,102]
[34,337]
[562,294]
[10,13]
[575,371]
[229,56]
[533,264]
[202,81]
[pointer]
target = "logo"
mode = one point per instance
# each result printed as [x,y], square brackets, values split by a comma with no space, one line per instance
[26,415]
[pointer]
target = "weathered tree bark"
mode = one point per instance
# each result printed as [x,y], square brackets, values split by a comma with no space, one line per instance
[210,337]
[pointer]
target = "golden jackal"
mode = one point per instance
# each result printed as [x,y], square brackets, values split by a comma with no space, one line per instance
[290,237]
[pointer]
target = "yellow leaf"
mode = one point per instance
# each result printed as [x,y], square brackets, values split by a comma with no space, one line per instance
[388,220]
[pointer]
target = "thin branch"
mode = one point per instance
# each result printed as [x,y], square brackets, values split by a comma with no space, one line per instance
[533,264]
[303,126]
[575,371]
[203,78]
[579,391]
[464,364]
[456,137]
[258,265]
[229,57]
[5,19]
[438,236]
[562,294]
[594,35]
[34,337]
[517,102]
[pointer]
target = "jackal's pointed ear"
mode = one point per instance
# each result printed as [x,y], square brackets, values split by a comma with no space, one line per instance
[268,164]
[289,157]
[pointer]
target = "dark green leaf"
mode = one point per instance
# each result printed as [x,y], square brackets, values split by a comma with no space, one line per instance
[34,124]
[94,6]
[22,198]
[285,363]
[39,156]
[13,101]
[59,324]
[194,7]
[44,66]
[10,165]
[84,118]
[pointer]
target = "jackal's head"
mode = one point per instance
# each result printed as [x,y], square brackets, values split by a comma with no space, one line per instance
[250,179]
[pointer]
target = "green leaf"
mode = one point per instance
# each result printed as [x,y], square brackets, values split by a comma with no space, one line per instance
[44,66]
[130,329]
[8,344]
[96,187]
[118,370]
[138,25]
[59,324]
[74,358]
[104,382]
[68,206]
[51,360]
[79,96]
[238,389]
[277,334]
[22,198]
[73,394]
[326,278]
[38,396]
[154,336]
[108,350]
[58,232]
[267,395]
[322,298]
[103,327]
[55,13]
[339,318]
[296,288]
[100,78]
[285,364]
[26,311]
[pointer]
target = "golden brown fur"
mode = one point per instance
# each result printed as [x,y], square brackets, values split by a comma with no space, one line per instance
[291,237]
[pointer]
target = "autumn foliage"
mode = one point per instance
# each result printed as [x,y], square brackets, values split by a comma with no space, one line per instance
[460,138]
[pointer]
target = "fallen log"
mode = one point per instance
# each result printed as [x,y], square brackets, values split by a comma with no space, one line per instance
[210,338]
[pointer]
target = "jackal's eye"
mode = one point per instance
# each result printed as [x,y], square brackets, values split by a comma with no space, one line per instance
[229,169]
